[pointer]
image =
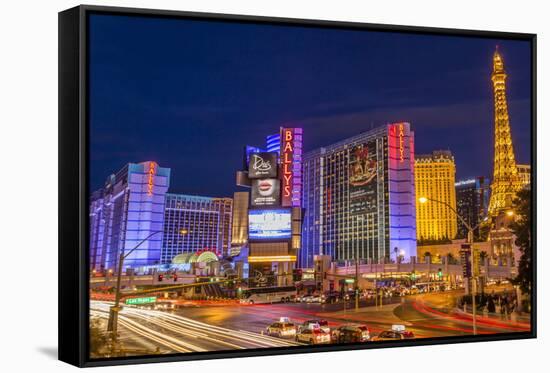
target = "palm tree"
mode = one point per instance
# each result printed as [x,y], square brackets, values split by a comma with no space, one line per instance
[427,254]
[483,256]
[451,258]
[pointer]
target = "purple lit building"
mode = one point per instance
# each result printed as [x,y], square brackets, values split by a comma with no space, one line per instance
[359,198]
[127,210]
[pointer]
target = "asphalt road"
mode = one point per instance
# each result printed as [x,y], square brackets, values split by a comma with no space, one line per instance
[228,327]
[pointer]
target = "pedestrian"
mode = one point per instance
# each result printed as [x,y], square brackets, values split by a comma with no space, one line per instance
[491,305]
[513,313]
[503,309]
[511,309]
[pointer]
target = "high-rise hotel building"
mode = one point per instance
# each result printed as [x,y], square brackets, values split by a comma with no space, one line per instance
[134,206]
[127,210]
[435,180]
[472,203]
[524,174]
[359,197]
[196,223]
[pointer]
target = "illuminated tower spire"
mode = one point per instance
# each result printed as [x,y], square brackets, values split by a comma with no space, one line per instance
[506,181]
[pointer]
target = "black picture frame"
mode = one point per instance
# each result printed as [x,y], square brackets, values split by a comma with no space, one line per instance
[73,189]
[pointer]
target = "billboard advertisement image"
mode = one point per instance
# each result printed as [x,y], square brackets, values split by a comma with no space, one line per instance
[362,180]
[265,192]
[262,165]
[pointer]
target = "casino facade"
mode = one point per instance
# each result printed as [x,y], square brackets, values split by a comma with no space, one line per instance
[358,198]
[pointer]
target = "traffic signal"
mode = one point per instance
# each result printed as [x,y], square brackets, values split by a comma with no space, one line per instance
[476,261]
[440,273]
[175,277]
[413,275]
[161,277]
[465,255]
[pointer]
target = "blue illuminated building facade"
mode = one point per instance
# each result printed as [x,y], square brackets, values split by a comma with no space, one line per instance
[134,205]
[195,223]
[359,198]
[127,210]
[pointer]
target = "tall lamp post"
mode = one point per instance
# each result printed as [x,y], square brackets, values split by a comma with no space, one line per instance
[469,240]
[112,326]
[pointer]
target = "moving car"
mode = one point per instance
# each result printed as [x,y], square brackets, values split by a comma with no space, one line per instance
[351,334]
[282,328]
[315,324]
[313,336]
[277,294]
[164,306]
[397,333]
[331,297]
[314,299]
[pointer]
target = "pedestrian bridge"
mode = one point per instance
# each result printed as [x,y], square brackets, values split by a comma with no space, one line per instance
[452,272]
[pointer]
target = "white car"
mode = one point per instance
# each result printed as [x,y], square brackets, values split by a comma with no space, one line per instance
[315,324]
[313,336]
[282,329]
[313,299]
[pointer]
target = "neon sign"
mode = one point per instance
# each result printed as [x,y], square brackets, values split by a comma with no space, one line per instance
[150,181]
[287,154]
[401,144]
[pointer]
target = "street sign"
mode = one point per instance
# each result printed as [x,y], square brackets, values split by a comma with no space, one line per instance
[143,300]
[350,280]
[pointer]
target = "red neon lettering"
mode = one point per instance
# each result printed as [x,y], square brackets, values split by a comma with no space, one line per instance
[287,191]
[150,181]
[401,146]
[286,158]
[287,161]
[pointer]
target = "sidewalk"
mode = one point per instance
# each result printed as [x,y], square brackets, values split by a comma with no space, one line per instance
[515,319]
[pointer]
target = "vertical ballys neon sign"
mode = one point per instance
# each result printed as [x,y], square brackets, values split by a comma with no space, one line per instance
[151,176]
[401,144]
[287,161]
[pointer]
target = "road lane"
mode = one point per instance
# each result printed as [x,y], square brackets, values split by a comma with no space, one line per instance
[181,334]
[236,326]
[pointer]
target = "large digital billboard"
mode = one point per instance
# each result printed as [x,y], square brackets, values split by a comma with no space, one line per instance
[269,224]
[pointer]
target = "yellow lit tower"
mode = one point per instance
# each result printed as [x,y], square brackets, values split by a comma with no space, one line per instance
[506,181]
[434,178]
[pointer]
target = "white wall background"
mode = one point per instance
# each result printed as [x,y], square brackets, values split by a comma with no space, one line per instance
[28,183]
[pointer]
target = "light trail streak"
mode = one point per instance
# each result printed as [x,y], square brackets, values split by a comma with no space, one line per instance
[176,326]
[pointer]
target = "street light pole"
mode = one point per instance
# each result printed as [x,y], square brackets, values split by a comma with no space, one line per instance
[112,325]
[470,240]
[357,278]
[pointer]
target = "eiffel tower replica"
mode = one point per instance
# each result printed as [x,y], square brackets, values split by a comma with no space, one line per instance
[506,181]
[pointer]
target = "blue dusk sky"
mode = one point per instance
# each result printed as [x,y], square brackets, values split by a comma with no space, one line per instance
[190,94]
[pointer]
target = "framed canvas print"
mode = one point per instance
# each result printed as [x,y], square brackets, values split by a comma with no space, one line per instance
[235,186]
